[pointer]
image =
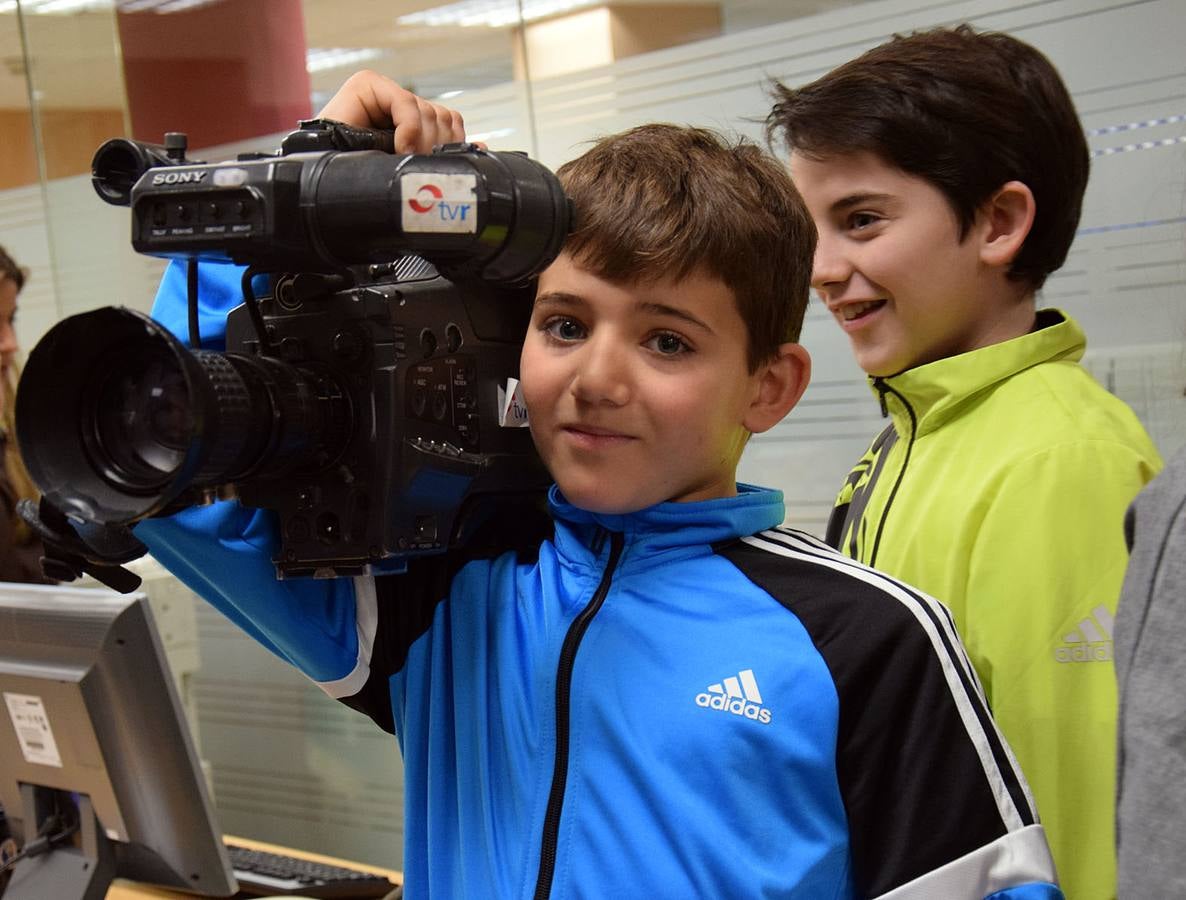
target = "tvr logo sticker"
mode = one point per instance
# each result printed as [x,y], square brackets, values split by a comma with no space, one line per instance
[512,410]
[437,202]
[426,198]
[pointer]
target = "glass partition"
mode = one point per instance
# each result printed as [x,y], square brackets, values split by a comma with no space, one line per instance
[544,76]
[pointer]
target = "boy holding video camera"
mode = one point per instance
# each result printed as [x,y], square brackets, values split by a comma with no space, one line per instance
[672,696]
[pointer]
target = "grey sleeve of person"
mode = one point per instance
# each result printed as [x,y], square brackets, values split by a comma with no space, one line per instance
[1150,647]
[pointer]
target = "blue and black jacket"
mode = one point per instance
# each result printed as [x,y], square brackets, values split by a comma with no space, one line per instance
[686,701]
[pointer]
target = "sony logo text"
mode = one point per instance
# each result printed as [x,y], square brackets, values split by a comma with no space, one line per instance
[178,177]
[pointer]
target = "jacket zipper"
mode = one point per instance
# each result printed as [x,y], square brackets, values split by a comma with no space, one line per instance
[882,390]
[568,652]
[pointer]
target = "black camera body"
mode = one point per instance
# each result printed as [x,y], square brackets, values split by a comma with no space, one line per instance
[420,367]
[369,398]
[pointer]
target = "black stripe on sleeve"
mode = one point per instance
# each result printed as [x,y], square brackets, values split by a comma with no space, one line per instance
[951,647]
[921,781]
[406,604]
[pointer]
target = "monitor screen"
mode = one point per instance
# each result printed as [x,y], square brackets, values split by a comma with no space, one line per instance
[93,741]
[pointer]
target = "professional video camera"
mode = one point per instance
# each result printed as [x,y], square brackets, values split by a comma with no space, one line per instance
[368,399]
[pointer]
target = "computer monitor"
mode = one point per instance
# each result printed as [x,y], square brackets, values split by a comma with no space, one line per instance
[91,724]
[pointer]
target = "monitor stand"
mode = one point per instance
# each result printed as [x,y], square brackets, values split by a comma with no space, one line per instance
[66,872]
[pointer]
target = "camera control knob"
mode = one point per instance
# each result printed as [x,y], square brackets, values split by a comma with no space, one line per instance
[419,400]
[176,143]
[293,348]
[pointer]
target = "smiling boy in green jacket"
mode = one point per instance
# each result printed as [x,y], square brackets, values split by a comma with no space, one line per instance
[945,172]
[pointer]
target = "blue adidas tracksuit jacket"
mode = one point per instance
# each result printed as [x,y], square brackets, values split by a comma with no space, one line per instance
[681,702]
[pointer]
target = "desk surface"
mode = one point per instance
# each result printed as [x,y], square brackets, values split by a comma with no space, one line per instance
[127,890]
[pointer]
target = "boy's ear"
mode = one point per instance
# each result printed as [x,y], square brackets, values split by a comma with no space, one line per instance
[780,383]
[1006,219]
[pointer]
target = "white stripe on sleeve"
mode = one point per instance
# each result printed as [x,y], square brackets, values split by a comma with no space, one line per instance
[366,611]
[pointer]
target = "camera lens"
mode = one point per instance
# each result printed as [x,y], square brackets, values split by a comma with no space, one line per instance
[142,422]
[156,420]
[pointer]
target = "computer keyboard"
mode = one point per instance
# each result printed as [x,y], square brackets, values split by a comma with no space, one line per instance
[263,874]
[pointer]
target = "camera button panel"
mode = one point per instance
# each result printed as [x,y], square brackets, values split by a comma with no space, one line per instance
[217,216]
[444,392]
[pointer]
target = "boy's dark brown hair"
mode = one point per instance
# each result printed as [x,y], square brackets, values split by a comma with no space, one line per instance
[666,201]
[966,111]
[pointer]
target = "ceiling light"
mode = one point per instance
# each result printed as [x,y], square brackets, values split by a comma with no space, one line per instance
[70,7]
[491,13]
[165,6]
[318,59]
[63,7]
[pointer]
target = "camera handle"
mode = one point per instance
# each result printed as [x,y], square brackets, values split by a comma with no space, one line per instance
[73,548]
[316,135]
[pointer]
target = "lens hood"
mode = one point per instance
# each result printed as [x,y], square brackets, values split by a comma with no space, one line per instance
[109,415]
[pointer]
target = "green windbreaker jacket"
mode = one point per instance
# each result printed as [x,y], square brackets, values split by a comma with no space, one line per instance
[1000,488]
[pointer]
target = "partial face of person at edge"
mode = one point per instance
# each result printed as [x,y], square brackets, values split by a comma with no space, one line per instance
[893,270]
[8,342]
[637,394]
